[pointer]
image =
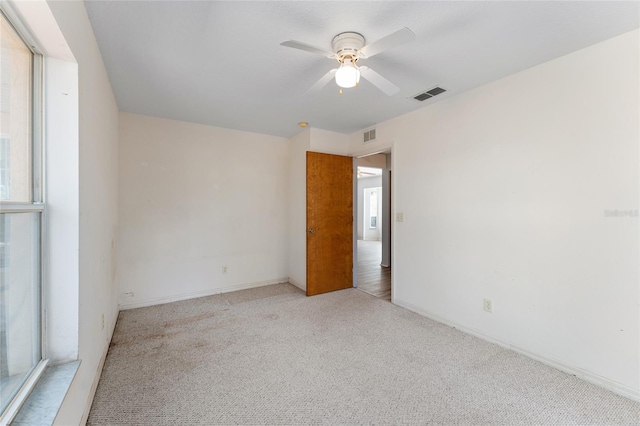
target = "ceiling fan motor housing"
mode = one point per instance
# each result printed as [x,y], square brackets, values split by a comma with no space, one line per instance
[347,44]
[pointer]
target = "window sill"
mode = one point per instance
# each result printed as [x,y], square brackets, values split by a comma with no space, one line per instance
[42,405]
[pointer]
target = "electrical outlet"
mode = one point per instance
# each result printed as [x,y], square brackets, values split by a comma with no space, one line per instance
[224,269]
[127,295]
[488,305]
[102,321]
[399,217]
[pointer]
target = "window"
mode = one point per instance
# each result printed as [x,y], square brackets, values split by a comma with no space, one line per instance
[21,216]
[373,208]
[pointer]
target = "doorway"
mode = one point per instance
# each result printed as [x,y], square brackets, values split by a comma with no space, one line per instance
[373,225]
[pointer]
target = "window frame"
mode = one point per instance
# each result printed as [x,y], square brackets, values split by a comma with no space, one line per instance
[37,202]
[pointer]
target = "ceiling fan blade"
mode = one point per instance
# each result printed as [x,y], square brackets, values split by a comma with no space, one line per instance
[322,82]
[308,48]
[396,39]
[379,81]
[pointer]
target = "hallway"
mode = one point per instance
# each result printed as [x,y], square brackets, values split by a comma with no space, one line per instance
[373,278]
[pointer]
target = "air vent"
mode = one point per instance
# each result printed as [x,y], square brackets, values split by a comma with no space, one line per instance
[436,91]
[370,135]
[429,94]
[422,97]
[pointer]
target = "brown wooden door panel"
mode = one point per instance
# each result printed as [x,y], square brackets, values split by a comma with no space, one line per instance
[329,223]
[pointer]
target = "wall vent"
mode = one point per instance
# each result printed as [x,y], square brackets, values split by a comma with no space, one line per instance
[370,135]
[429,94]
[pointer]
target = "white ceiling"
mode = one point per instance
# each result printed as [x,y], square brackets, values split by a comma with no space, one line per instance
[221,63]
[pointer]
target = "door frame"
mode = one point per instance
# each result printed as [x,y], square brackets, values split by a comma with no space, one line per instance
[385,149]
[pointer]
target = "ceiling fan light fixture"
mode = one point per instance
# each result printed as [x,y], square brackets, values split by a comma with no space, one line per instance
[348,75]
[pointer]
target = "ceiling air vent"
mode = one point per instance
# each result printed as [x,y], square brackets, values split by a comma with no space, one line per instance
[429,94]
[370,135]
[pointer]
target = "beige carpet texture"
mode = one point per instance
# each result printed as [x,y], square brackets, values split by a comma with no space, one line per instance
[273,356]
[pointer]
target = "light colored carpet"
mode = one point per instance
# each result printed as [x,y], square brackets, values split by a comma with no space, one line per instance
[273,356]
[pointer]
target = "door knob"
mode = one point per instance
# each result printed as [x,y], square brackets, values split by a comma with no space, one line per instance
[312,231]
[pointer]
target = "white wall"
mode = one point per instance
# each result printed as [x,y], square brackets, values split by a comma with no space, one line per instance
[298,147]
[194,199]
[504,191]
[98,167]
[363,183]
[63,209]
[328,142]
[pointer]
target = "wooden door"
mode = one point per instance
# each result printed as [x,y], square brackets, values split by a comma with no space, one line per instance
[329,223]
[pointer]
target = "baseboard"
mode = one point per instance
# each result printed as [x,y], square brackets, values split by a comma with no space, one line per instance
[596,379]
[298,284]
[96,379]
[196,294]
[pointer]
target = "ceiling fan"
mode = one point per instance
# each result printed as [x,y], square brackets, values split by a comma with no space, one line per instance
[348,48]
[366,171]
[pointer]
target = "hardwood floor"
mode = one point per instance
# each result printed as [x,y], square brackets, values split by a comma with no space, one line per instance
[373,278]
